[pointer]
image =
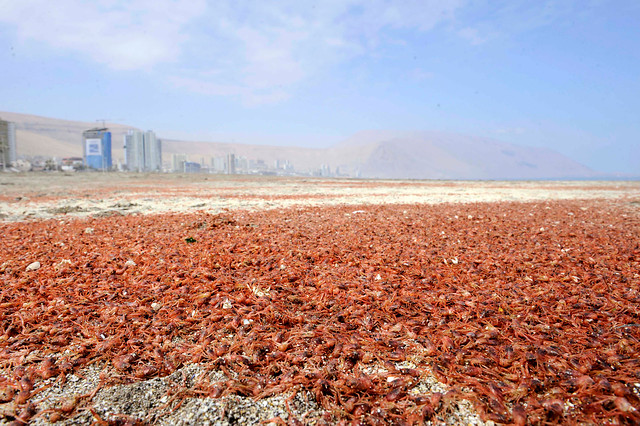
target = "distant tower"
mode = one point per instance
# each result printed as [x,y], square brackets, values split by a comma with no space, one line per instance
[142,151]
[152,152]
[7,143]
[231,164]
[134,151]
[97,148]
[179,161]
[218,164]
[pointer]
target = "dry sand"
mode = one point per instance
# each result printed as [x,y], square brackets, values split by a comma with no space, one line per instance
[46,195]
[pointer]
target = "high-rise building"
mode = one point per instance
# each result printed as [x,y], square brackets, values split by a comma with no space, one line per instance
[242,164]
[97,148]
[178,162]
[231,164]
[152,152]
[134,151]
[7,143]
[142,151]
[218,164]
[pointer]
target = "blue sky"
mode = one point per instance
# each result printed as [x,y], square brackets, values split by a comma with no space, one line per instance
[560,74]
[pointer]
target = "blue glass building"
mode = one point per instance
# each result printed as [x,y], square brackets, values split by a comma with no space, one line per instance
[97,149]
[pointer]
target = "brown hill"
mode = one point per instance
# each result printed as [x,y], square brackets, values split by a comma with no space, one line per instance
[440,155]
[368,154]
[52,137]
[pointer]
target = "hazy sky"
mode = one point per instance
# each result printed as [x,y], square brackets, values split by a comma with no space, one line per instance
[562,74]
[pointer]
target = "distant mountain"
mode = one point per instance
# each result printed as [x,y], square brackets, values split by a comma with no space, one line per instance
[52,137]
[367,154]
[437,155]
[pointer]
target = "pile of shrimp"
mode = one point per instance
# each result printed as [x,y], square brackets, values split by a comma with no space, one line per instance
[529,310]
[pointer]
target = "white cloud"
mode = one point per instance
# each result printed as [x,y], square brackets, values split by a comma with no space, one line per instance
[250,96]
[507,19]
[266,49]
[472,35]
[119,34]
[257,51]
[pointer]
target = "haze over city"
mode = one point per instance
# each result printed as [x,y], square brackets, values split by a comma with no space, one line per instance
[559,75]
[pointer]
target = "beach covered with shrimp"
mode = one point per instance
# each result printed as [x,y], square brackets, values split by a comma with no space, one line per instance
[527,310]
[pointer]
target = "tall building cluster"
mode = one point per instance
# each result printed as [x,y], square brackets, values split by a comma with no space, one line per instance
[7,144]
[142,151]
[229,164]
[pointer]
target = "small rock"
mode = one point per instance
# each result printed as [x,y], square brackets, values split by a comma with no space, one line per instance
[156,306]
[33,266]
[88,231]
[226,304]
[129,263]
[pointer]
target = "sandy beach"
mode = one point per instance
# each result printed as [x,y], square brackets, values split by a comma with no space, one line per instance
[203,299]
